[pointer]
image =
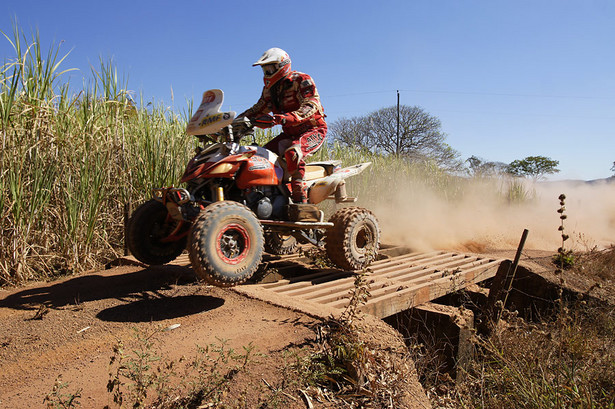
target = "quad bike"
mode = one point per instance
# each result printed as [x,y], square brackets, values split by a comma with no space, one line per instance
[236,204]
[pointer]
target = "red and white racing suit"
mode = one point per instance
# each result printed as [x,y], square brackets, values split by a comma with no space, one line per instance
[295,103]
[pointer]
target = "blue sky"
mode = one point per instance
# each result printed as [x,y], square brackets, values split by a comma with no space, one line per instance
[507,79]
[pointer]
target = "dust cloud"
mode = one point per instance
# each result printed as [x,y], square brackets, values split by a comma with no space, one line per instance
[481,219]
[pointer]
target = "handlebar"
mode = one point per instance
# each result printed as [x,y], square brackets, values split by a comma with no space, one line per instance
[235,132]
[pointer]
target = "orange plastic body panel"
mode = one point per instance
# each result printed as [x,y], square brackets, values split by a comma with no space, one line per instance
[258,171]
[225,168]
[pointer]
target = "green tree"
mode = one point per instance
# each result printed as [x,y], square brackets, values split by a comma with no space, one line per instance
[535,167]
[420,136]
[613,167]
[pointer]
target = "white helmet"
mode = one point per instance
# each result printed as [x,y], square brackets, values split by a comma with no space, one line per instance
[275,63]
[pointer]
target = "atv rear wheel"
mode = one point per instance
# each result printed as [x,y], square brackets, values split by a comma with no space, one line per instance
[352,243]
[148,227]
[280,244]
[226,244]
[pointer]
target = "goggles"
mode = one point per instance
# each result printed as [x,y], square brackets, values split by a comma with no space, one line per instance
[269,69]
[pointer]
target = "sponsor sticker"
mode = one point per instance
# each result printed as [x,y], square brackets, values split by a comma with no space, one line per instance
[259,163]
[312,142]
[210,119]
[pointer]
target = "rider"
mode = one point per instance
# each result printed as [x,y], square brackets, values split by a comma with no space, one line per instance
[293,99]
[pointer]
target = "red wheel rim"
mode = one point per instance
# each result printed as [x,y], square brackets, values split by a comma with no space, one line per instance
[233,243]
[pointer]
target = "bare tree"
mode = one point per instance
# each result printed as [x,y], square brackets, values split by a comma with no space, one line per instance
[420,136]
[352,132]
[479,167]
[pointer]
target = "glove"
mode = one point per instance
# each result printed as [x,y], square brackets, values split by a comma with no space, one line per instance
[263,121]
[284,119]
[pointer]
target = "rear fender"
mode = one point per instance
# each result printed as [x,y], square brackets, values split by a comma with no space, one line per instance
[351,170]
[321,189]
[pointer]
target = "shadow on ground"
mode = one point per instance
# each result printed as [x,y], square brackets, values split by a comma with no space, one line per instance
[159,309]
[94,287]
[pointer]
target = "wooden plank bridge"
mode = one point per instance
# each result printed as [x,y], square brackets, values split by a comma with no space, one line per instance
[395,283]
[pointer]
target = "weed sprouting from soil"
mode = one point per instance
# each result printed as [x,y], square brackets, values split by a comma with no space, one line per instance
[339,362]
[59,398]
[564,259]
[358,297]
[318,257]
[134,373]
[140,377]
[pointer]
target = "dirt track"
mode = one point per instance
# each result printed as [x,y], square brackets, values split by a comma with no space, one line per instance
[83,317]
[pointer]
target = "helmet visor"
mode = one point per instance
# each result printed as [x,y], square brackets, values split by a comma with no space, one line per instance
[269,69]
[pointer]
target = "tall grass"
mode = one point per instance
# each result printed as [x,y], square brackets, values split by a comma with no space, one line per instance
[69,162]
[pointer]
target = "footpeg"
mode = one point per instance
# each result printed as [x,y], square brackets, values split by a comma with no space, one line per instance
[303,213]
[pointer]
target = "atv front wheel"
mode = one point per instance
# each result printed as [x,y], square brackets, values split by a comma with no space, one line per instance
[226,244]
[280,244]
[353,241]
[148,228]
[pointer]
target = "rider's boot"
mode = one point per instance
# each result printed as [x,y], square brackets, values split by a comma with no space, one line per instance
[299,192]
[300,210]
